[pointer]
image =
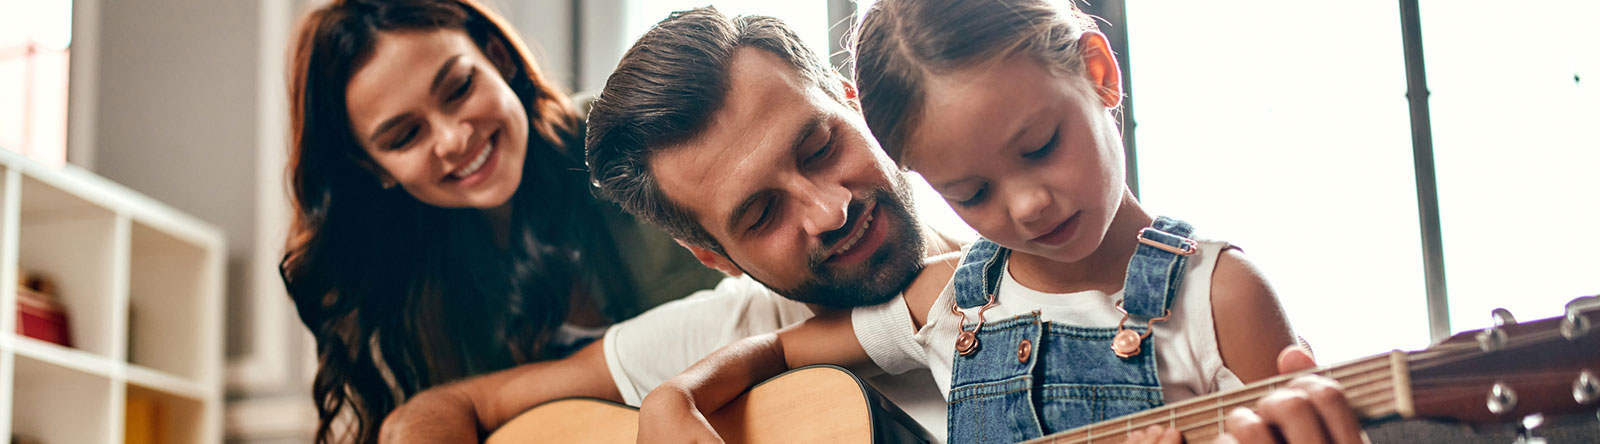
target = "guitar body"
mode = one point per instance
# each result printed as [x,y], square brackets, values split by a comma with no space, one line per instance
[810,404]
[574,420]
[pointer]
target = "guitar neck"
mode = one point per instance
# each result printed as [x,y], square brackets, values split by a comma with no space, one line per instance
[1376,386]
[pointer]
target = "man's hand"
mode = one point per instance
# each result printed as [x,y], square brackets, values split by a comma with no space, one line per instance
[1311,410]
[668,415]
[458,411]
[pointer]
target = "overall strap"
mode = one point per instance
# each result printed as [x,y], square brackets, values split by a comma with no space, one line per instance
[1157,267]
[978,276]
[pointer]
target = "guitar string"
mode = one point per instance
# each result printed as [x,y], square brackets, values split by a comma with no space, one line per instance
[1368,397]
[1190,430]
[1455,353]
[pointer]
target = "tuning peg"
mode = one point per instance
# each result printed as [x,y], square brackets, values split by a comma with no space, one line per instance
[1575,325]
[1491,339]
[1502,317]
[1586,389]
[1494,337]
[1525,430]
[1502,399]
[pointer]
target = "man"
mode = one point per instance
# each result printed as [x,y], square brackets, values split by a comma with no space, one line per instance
[812,241]
[736,139]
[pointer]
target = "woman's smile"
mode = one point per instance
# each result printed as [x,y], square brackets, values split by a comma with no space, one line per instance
[480,168]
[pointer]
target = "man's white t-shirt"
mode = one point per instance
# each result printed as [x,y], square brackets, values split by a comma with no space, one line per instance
[645,351]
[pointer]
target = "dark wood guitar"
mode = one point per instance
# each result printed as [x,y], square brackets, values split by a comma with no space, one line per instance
[1496,375]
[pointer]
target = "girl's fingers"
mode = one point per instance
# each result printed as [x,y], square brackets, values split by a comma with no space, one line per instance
[1154,435]
[1244,426]
[1338,417]
[1290,411]
[1171,436]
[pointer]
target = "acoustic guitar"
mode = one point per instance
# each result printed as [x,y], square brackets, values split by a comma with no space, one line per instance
[1501,374]
[818,403]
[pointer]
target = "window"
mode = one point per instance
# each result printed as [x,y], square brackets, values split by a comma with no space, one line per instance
[1282,127]
[1515,144]
[34,40]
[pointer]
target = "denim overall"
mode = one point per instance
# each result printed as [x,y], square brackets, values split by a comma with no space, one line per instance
[1027,378]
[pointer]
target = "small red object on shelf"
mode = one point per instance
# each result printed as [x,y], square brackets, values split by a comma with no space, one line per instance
[39,315]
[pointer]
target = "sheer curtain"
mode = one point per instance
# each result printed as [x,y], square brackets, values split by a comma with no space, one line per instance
[1282,127]
[1516,130]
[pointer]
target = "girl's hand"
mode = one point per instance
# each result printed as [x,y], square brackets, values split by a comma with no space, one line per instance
[1154,435]
[1311,410]
[668,415]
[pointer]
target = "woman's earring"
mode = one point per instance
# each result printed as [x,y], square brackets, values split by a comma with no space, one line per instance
[386,183]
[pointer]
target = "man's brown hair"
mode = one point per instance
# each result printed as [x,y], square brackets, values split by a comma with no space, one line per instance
[664,92]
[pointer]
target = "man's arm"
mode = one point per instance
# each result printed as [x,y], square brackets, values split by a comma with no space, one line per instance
[675,411]
[459,412]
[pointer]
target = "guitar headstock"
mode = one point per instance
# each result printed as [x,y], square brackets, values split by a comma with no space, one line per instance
[1511,370]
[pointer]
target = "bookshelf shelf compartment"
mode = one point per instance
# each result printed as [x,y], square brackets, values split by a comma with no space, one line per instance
[142,288]
[55,404]
[155,416]
[165,300]
[73,244]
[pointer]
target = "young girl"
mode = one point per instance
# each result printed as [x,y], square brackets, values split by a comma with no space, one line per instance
[1078,305]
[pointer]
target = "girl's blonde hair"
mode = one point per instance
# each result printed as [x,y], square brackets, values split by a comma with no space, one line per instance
[901,42]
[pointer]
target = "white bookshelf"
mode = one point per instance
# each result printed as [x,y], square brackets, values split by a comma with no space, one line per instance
[142,284]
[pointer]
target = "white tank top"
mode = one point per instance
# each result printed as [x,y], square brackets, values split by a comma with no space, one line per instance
[1187,358]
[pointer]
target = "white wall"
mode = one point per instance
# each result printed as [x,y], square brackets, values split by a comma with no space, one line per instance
[176,112]
[183,100]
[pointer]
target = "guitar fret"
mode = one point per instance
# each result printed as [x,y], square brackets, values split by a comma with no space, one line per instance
[1359,367]
[1221,425]
[1374,375]
[1366,390]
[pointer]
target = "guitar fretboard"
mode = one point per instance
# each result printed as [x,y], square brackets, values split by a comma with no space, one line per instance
[1376,386]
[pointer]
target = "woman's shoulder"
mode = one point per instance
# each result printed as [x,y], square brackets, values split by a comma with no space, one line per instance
[663,269]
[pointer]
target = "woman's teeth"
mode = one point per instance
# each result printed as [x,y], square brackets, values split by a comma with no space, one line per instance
[476,163]
[851,242]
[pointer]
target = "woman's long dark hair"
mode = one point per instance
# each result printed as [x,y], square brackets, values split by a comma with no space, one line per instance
[395,288]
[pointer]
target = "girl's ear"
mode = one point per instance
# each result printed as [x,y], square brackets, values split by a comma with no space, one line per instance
[1100,67]
[851,97]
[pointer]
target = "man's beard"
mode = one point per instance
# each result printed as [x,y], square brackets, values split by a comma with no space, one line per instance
[882,275]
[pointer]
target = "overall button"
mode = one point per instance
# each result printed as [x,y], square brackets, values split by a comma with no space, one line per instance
[1024,349]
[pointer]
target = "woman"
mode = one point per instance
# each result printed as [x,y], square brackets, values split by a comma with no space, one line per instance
[443,224]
